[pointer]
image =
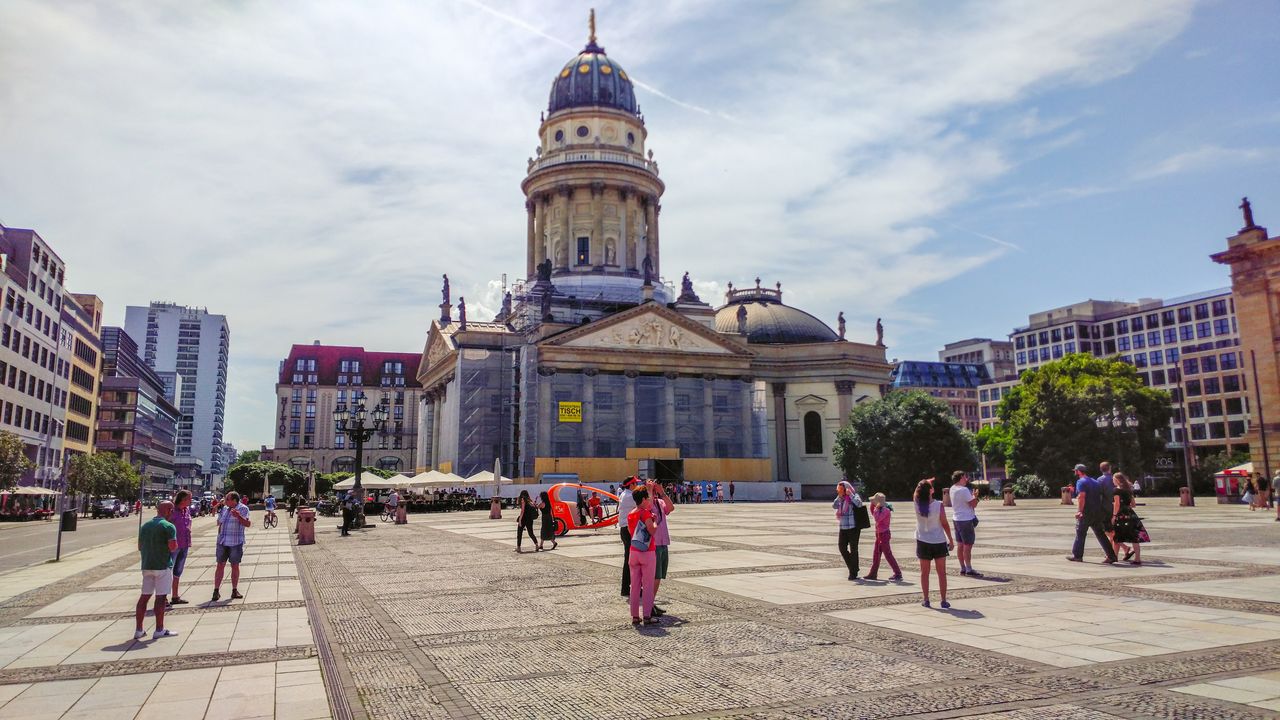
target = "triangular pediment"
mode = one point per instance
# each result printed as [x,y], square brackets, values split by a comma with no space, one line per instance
[649,328]
[437,347]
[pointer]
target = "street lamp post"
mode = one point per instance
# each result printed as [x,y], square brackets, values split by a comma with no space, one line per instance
[360,425]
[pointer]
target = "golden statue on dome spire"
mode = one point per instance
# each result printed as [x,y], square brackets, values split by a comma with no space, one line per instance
[591,25]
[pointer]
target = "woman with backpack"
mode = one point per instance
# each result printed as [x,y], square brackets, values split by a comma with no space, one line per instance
[642,560]
[524,520]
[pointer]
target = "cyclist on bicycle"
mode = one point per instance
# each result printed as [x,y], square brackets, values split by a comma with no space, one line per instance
[271,507]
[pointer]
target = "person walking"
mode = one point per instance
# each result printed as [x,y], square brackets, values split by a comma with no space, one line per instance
[719,492]
[348,512]
[845,505]
[965,519]
[642,558]
[157,541]
[881,514]
[626,503]
[661,506]
[933,539]
[526,513]
[1107,486]
[548,529]
[731,489]
[1090,515]
[1130,533]
[180,518]
[233,518]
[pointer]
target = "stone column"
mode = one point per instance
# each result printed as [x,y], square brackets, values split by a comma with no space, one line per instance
[597,224]
[748,426]
[566,232]
[540,205]
[425,417]
[669,398]
[653,238]
[588,411]
[780,431]
[650,234]
[545,411]
[629,406]
[531,254]
[708,415]
[633,228]
[844,399]
[624,260]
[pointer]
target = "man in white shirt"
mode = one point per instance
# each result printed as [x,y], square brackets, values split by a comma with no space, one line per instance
[625,505]
[965,520]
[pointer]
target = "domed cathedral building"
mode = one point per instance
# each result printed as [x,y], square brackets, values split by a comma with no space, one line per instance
[597,367]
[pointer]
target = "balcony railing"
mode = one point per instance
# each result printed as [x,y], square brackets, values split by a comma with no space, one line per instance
[593,156]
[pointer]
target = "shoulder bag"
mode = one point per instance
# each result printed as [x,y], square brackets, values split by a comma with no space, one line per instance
[641,540]
[861,518]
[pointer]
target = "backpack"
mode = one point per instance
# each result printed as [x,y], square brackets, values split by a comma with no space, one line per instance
[642,539]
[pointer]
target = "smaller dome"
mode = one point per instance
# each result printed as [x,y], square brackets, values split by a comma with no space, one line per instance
[772,323]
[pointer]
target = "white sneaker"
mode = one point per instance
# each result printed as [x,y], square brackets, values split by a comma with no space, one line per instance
[139,634]
[163,633]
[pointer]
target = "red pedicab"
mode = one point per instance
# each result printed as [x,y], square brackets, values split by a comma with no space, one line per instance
[564,508]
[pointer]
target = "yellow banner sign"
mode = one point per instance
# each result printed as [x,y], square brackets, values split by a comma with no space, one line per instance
[571,412]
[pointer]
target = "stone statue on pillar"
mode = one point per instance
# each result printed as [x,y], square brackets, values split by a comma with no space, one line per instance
[687,294]
[879,333]
[1248,214]
[445,307]
[462,313]
[840,324]
[544,270]
[545,303]
[742,319]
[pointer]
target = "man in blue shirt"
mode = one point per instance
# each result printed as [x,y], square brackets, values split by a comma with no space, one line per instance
[1090,514]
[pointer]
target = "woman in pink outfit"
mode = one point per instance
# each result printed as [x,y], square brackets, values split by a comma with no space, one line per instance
[882,513]
[642,560]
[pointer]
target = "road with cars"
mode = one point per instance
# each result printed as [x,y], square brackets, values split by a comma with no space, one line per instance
[26,543]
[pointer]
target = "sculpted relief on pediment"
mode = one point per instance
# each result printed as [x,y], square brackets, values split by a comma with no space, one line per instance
[647,332]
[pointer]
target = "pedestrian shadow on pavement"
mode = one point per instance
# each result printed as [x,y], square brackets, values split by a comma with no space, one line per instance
[962,614]
[121,646]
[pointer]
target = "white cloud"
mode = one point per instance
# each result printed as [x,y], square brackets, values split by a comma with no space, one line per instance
[1205,157]
[310,169]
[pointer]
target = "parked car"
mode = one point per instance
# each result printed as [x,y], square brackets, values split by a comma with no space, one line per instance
[108,508]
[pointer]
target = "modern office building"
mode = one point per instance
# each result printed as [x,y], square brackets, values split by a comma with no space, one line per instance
[989,396]
[135,421]
[996,355]
[82,323]
[317,379]
[597,367]
[956,384]
[35,368]
[229,454]
[195,344]
[1188,346]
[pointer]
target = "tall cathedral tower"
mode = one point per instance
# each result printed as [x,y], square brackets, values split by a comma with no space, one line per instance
[592,195]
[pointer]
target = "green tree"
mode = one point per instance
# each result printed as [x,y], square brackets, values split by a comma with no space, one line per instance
[119,477]
[248,479]
[384,474]
[13,459]
[246,457]
[86,478]
[995,442]
[1083,409]
[892,443]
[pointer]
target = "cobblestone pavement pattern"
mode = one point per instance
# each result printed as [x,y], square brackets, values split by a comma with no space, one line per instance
[440,619]
[67,648]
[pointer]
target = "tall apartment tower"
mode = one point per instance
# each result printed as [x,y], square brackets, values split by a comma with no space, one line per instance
[1254,259]
[195,344]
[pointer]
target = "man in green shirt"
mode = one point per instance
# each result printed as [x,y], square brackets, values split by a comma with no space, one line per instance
[157,539]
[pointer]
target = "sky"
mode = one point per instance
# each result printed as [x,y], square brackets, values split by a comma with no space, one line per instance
[310,169]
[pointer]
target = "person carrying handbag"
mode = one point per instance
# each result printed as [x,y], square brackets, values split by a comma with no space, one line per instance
[852,517]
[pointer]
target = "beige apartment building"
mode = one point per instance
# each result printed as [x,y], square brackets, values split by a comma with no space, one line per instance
[317,379]
[82,327]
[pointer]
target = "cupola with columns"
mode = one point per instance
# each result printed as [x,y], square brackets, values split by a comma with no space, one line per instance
[592,195]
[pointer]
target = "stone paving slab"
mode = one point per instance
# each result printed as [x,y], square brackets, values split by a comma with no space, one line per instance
[1058,567]
[1263,589]
[715,560]
[1261,690]
[1233,554]
[790,587]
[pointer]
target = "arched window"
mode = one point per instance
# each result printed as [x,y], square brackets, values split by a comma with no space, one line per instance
[344,464]
[812,433]
[389,463]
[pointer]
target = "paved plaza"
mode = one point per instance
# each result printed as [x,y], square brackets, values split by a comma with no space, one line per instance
[441,619]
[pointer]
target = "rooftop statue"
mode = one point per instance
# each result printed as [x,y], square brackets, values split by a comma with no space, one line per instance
[840,324]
